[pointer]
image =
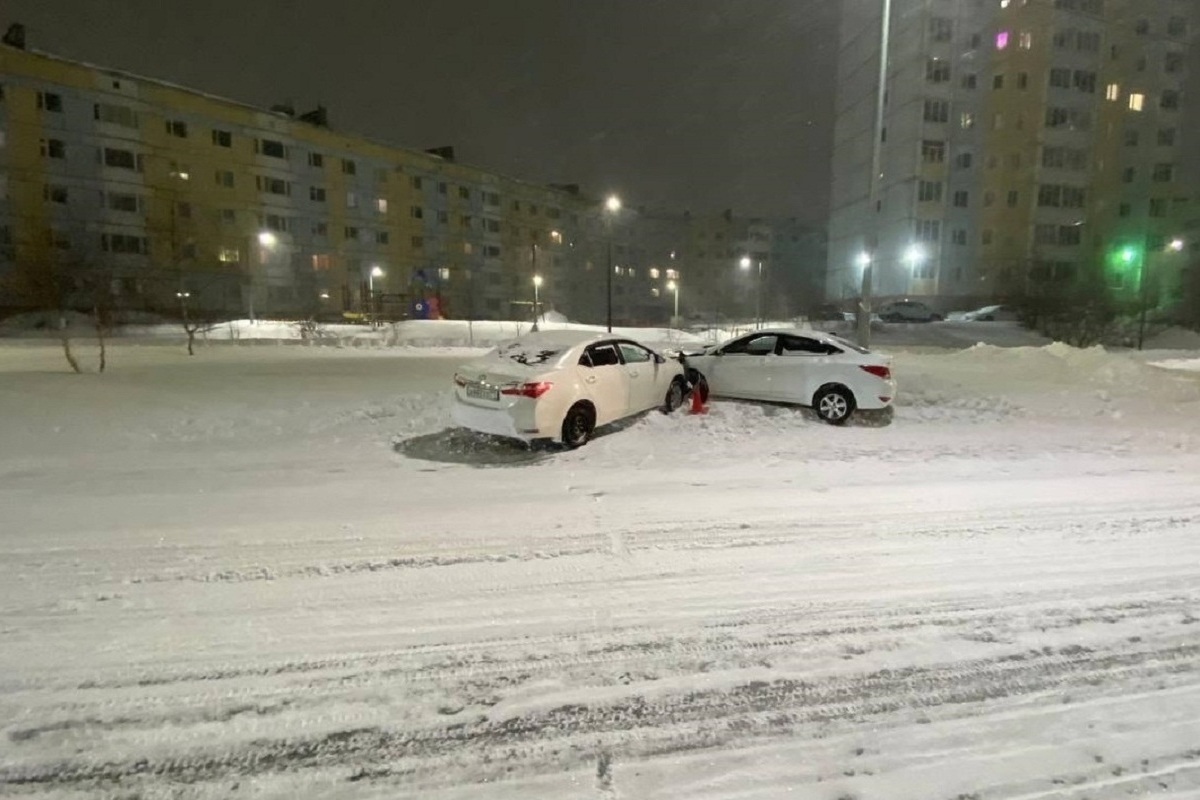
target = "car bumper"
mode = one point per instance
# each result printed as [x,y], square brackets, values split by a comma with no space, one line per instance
[512,423]
[874,400]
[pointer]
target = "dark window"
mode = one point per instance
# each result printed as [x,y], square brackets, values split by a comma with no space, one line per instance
[54,148]
[121,159]
[177,128]
[602,355]
[761,344]
[49,101]
[222,138]
[272,148]
[802,345]
[316,160]
[349,167]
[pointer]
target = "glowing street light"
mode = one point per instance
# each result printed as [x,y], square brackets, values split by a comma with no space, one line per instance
[673,286]
[914,255]
[863,260]
[612,205]
[1175,245]
[267,239]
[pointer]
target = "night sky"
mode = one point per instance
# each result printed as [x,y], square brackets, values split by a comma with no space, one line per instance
[683,104]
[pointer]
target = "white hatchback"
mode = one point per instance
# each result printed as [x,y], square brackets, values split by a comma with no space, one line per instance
[561,385]
[826,372]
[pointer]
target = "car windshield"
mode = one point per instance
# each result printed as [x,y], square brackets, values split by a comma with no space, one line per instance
[600,399]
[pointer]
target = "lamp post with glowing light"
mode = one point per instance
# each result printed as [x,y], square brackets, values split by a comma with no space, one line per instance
[376,272]
[612,205]
[746,263]
[673,286]
[537,285]
[267,241]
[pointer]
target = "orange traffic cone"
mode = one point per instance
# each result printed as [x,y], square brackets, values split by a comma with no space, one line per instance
[698,406]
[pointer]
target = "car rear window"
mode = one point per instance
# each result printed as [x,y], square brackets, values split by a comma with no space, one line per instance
[530,354]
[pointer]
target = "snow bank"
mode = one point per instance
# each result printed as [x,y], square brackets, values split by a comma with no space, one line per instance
[1174,339]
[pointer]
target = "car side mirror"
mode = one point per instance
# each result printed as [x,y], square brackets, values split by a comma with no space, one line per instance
[718,352]
[659,359]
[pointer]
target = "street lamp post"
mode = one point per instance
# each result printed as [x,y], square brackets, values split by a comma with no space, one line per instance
[863,318]
[746,263]
[376,272]
[537,285]
[612,205]
[674,287]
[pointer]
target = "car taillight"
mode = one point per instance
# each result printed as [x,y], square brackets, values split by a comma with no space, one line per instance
[531,390]
[877,370]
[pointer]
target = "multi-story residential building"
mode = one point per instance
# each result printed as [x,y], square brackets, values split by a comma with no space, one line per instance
[1027,145]
[154,194]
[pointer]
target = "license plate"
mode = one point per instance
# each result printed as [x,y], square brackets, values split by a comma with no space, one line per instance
[481,392]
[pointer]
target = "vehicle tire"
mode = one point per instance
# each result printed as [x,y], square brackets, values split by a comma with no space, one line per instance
[891,318]
[577,426]
[937,318]
[834,404]
[674,398]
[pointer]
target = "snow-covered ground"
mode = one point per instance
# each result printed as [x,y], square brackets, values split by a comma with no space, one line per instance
[272,571]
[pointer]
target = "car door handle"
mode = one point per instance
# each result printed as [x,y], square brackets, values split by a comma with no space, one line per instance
[591,379]
[633,373]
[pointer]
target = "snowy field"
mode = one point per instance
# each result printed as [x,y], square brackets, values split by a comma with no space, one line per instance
[272,571]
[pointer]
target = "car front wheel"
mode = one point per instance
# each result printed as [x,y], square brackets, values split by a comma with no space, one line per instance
[577,426]
[834,404]
[674,398]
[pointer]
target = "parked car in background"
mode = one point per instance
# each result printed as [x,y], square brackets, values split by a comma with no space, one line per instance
[562,385]
[985,314]
[908,311]
[825,372]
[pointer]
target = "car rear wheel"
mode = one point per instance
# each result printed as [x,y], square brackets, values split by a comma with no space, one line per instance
[834,404]
[674,398]
[577,426]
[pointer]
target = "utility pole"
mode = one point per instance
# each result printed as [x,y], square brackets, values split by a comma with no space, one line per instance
[872,254]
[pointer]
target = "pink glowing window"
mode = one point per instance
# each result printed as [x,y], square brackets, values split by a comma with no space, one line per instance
[1001,40]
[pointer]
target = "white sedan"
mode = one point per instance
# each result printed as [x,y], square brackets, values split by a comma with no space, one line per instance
[562,385]
[826,372]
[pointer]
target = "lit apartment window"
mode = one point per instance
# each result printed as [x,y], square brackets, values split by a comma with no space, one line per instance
[1025,41]
[381,205]
[1113,92]
[1002,40]
[967,120]
[321,262]
[229,255]
[1137,101]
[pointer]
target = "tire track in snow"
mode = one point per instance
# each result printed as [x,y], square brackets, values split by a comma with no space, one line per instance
[563,736]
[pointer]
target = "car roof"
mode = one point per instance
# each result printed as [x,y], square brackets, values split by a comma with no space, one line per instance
[566,337]
[809,332]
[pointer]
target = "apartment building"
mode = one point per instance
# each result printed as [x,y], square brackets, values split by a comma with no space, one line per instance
[1027,145]
[154,195]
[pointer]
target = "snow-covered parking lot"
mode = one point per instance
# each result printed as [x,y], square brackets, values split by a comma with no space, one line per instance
[271,571]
